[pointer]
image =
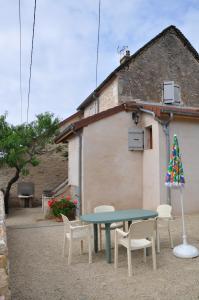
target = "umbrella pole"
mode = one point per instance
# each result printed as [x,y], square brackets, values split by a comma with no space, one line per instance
[184,237]
[184,250]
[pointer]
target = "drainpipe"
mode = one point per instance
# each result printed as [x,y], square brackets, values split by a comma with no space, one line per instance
[148,112]
[165,127]
[79,192]
[80,173]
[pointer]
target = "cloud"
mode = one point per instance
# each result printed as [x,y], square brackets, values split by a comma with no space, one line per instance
[64,58]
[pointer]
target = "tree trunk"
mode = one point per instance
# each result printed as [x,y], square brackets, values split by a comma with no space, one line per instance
[7,192]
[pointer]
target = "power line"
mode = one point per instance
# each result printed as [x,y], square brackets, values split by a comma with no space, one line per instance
[98,40]
[20,81]
[33,34]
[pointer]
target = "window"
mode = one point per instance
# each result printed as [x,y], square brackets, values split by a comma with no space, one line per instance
[148,138]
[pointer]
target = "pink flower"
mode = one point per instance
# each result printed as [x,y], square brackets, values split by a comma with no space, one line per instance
[68,198]
[75,201]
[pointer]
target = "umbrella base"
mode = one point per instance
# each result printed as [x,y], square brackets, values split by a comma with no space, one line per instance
[185,251]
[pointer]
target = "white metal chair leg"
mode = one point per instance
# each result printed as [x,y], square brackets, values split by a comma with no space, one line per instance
[116,252]
[64,247]
[158,240]
[170,236]
[89,250]
[70,252]
[129,261]
[81,247]
[154,254]
[144,255]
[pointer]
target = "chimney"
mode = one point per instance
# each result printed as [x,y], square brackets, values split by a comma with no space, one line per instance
[125,57]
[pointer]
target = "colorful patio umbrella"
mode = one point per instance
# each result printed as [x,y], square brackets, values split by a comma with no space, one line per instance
[175,179]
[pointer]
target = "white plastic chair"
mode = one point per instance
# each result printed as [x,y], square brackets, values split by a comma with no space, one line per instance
[164,216]
[141,235]
[107,208]
[76,230]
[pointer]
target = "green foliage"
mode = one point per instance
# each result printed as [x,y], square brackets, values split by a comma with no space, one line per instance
[25,172]
[19,145]
[64,206]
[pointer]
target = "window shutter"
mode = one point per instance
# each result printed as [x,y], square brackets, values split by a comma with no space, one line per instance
[135,139]
[177,96]
[168,91]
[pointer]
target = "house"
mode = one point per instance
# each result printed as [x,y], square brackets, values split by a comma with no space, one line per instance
[119,146]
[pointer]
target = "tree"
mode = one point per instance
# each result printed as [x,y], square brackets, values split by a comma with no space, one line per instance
[20,145]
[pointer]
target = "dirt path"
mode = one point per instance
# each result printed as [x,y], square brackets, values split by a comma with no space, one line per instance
[39,272]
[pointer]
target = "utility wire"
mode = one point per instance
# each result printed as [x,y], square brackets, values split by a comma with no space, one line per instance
[32,47]
[20,81]
[98,40]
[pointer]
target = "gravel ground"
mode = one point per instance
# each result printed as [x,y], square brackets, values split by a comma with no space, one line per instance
[39,272]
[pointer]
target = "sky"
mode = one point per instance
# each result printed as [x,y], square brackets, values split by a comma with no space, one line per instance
[64,57]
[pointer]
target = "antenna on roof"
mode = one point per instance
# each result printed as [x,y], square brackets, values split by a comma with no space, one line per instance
[124,54]
[121,50]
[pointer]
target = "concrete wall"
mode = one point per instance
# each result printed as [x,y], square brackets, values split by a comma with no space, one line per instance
[155,165]
[188,138]
[51,171]
[111,173]
[73,163]
[166,59]
[151,176]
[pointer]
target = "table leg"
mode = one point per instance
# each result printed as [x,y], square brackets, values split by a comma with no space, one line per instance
[129,224]
[108,243]
[95,238]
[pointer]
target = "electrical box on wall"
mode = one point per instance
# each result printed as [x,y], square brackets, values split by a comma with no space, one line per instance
[135,139]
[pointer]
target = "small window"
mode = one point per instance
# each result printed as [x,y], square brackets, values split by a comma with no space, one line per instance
[148,138]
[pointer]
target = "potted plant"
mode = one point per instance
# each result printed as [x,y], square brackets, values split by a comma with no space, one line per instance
[65,206]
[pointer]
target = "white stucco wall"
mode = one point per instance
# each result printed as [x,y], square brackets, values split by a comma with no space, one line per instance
[111,173]
[155,165]
[73,161]
[188,138]
[151,176]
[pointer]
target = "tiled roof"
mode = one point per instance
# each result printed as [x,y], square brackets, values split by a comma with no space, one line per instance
[172,29]
[70,118]
[160,111]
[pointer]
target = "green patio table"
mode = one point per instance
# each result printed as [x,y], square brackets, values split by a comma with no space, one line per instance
[108,218]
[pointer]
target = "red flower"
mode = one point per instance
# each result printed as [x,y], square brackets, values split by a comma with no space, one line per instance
[68,198]
[51,202]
